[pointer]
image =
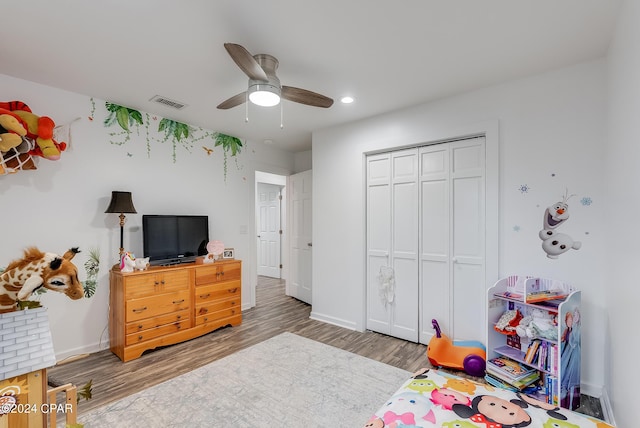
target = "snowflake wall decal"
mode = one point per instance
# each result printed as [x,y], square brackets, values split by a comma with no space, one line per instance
[523,188]
[586,201]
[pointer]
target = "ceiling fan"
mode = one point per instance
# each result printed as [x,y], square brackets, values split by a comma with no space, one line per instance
[264,86]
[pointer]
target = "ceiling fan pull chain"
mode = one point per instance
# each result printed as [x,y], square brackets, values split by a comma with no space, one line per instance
[281,115]
[246,108]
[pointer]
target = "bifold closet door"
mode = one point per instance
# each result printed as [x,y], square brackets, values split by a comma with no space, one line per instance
[392,245]
[452,239]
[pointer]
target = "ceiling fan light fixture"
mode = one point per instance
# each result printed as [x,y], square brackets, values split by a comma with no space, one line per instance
[264,94]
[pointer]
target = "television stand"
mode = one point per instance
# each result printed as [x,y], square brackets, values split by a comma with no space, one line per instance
[165,305]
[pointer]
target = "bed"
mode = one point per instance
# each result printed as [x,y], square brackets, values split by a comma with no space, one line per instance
[433,398]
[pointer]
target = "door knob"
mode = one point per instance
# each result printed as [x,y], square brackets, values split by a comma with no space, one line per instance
[309,244]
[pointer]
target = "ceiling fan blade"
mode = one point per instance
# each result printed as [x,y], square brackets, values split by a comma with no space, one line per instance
[235,100]
[246,62]
[304,96]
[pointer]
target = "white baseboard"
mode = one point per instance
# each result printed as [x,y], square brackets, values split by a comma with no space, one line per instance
[332,320]
[80,351]
[600,393]
[607,411]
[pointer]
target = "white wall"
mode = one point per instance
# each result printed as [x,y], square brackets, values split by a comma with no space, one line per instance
[62,204]
[552,129]
[302,161]
[622,178]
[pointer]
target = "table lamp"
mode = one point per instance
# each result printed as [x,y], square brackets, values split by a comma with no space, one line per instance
[121,203]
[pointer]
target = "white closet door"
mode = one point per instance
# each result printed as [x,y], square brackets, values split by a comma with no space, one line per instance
[378,240]
[452,239]
[404,256]
[435,239]
[392,225]
[426,221]
[468,237]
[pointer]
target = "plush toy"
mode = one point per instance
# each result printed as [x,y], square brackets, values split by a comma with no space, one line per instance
[37,269]
[141,263]
[12,130]
[538,324]
[508,322]
[127,262]
[39,128]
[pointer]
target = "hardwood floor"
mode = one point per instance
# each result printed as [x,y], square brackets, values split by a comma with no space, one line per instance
[273,314]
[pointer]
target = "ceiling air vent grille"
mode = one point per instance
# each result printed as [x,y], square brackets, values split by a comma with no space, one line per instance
[166,101]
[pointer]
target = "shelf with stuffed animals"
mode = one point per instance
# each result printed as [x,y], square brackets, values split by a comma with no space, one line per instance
[534,327]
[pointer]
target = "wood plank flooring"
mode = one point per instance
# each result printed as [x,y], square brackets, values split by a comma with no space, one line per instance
[273,314]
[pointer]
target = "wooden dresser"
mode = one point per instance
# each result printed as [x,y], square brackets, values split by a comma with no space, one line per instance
[167,305]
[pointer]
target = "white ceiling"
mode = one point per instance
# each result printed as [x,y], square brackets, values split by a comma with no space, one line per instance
[388,54]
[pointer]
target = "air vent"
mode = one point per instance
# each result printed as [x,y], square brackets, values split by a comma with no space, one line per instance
[166,101]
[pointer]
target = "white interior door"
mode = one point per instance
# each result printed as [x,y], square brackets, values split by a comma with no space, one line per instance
[300,188]
[426,221]
[380,288]
[269,230]
[452,239]
[392,255]
[468,239]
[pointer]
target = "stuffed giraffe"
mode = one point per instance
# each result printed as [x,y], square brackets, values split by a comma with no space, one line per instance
[37,269]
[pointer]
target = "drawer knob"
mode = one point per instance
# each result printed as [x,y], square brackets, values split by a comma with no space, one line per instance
[179,316]
[203,311]
[177,302]
[140,326]
[140,337]
[205,296]
[233,290]
[138,310]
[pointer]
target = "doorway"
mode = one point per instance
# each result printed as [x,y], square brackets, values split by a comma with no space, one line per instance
[269,229]
[270,224]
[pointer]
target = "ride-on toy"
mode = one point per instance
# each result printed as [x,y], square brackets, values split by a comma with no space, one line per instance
[467,355]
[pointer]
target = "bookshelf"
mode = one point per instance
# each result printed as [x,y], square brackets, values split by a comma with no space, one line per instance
[534,323]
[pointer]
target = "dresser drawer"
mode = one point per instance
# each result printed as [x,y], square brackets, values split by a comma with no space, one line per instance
[159,331]
[204,315]
[218,272]
[148,284]
[217,306]
[145,324]
[213,292]
[138,309]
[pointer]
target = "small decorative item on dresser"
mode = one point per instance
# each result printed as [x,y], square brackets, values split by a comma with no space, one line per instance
[215,248]
[228,253]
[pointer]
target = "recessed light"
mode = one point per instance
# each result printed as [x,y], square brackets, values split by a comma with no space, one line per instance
[347,100]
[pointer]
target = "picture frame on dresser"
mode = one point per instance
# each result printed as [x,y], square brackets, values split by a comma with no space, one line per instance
[228,253]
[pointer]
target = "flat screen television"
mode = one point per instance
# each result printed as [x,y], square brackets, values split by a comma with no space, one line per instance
[174,239]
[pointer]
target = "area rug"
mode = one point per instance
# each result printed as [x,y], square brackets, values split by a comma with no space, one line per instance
[286,381]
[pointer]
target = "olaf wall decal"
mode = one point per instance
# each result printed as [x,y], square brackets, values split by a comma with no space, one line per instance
[553,242]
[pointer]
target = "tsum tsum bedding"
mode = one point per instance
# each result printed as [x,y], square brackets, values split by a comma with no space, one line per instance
[432,398]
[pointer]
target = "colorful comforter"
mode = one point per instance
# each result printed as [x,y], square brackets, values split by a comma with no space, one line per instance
[433,398]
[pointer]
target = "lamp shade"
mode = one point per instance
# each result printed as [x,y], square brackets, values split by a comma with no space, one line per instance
[121,203]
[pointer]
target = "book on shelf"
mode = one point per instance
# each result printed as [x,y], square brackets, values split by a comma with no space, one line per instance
[508,368]
[532,351]
[496,379]
[541,296]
